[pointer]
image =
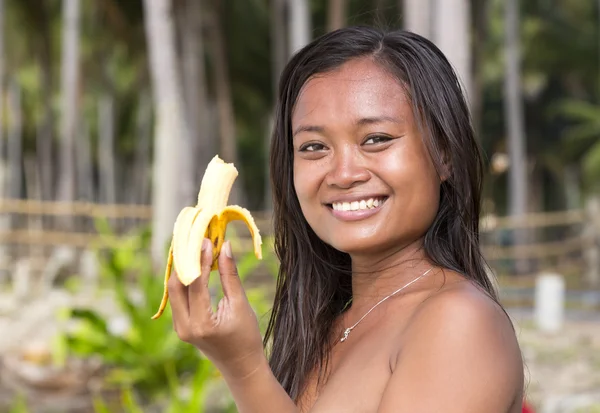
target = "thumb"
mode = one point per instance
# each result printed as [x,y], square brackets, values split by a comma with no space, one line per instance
[230,281]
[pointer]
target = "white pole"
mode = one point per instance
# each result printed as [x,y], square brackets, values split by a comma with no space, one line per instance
[549,302]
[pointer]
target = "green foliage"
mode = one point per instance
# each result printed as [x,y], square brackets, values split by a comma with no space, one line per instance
[582,138]
[147,358]
[141,355]
[179,400]
[559,64]
[19,405]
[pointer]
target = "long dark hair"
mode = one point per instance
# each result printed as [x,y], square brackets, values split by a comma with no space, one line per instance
[313,283]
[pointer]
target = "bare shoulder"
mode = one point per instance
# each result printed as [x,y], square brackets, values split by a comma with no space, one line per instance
[459,354]
[464,306]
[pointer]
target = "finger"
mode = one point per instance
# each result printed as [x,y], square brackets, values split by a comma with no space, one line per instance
[198,293]
[230,281]
[178,300]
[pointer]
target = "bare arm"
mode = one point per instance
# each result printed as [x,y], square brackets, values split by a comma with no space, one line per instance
[460,356]
[260,392]
[230,338]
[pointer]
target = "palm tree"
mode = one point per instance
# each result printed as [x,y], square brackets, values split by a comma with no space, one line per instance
[299,23]
[170,128]
[69,103]
[448,24]
[2,57]
[452,34]
[514,112]
[582,139]
[418,17]
[513,104]
[336,16]
[201,139]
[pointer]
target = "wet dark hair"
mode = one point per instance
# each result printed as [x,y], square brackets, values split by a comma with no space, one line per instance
[314,282]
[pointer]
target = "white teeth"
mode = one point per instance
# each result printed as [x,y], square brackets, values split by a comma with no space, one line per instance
[357,205]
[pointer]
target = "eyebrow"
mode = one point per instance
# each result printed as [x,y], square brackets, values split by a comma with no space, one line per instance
[361,122]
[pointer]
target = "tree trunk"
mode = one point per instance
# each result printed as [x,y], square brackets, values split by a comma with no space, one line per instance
[202,141]
[418,17]
[279,55]
[170,128]
[106,151]
[592,253]
[336,16]
[300,26]
[227,132]
[452,34]
[15,153]
[515,124]
[45,130]
[514,112]
[141,180]
[447,23]
[15,142]
[3,167]
[4,219]
[32,191]
[85,177]
[279,41]
[480,34]
[572,186]
[69,85]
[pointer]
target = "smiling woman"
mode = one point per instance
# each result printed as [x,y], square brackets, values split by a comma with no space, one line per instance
[383,302]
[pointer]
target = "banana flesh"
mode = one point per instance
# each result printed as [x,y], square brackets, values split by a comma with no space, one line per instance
[208,219]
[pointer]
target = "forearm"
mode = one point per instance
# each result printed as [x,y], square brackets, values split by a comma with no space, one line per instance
[260,392]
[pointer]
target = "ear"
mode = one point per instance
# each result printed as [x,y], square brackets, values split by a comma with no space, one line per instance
[446,170]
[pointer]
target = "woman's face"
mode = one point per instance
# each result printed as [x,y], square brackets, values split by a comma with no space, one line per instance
[362,174]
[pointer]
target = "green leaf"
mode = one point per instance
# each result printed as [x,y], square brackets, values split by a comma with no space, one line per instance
[99,405]
[20,405]
[591,166]
[129,402]
[90,317]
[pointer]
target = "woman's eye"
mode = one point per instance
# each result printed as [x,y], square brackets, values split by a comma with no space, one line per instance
[377,139]
[312,147]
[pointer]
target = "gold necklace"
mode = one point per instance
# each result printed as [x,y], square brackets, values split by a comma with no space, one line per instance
[349,329]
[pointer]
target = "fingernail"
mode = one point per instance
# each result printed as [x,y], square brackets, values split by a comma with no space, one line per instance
[227,249]
[206,244]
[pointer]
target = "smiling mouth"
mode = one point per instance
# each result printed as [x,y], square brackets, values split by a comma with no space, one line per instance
[363,204]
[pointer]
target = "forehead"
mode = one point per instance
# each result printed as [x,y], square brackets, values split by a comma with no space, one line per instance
[358,89]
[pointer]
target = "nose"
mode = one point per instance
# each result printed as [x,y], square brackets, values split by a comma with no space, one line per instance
[347,169]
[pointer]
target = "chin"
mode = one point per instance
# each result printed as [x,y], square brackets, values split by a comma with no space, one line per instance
[359,245]
[374,245]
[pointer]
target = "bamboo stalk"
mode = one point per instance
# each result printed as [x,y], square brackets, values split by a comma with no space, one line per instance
[59,208]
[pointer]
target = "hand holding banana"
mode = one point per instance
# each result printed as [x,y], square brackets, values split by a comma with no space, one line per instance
[231,336]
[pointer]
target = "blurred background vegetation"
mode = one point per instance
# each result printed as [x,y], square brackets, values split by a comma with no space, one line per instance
[110,111]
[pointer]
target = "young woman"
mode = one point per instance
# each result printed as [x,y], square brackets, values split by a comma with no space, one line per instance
[383,303]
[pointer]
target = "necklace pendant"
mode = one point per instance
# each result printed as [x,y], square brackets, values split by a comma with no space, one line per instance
[346,333]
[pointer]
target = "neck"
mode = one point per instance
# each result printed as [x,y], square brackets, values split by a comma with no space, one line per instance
[374,278]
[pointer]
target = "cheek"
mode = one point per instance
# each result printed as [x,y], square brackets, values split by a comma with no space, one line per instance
[416,185]
[301,184]
[306,177]
[426,198]
[306,185]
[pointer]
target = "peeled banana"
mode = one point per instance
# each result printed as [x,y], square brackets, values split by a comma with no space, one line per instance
[208,219]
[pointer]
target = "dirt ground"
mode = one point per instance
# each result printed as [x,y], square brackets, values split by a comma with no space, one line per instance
[562,369]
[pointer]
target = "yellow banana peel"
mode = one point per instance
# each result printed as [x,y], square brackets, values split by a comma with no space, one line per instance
[208,219]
